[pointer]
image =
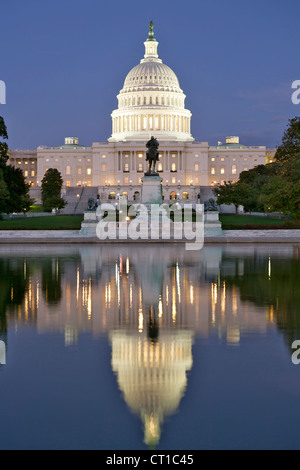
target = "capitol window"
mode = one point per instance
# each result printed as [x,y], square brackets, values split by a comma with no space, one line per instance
[140,155]
[68,170]
[173,167]
[212,159]
[89,171]
[222,170]
[212,170]
[32,173]
[196,155]
[103,156]
[245,159]
[222,159]
[25,173]
[103,166]
[196,167]
[233,169]
[173,180]
[79,171]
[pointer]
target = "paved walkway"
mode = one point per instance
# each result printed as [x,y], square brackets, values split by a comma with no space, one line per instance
[72,236]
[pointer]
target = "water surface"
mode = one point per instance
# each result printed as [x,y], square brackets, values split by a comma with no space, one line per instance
[137,347]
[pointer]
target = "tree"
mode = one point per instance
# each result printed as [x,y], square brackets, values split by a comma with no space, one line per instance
[51,190]
[13,181]
[3,145]
[233,193]
[256,178]
[290,141]
[19,199]
[4,194]
[282,192]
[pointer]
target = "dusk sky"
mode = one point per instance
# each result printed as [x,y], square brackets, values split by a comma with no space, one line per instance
[65,61]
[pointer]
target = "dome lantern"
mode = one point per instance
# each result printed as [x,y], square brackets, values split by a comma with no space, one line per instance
[151,45]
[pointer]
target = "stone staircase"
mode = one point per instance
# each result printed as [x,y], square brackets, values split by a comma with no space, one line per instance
[77,200]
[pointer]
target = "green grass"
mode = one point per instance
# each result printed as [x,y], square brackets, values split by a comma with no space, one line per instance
[55,222]
[36,209]
[231,221]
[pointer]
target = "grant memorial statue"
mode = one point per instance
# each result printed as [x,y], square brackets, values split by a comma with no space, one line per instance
[152,156]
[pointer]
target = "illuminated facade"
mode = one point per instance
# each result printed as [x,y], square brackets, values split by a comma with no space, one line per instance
[151,102]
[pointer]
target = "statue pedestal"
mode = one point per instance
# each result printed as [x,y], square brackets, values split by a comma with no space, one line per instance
[151,192]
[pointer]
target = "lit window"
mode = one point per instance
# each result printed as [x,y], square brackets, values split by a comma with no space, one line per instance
[212,170]
[19,162]
[222,170]
[159,167]
[25,173]
[56,160]
[126,180]
[196,155]
[140,167]
[79,171]
[245,159]
[173,167]
[196,180]
[140,155]
[196,167]
[222,159]
[212,159]
[89,171]
[79,159]
[26,162]
[173,180]
[173,155]
[233,169]
[245,168]
[68,184]
[103,156]
[32,173]
[68,170]
[126,166]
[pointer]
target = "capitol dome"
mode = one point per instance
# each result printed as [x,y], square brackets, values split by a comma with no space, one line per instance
[151,101]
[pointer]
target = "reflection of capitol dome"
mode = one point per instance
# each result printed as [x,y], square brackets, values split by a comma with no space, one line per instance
[151,100]
[152,375]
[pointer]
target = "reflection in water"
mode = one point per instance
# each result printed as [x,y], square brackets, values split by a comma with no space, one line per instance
[151,303]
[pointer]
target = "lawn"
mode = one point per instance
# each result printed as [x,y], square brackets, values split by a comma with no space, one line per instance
[54,222]
[234,222]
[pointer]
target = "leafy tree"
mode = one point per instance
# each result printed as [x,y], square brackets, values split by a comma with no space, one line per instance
[233,193]
[4,194]
[256,178]
[282,192]
[290,146]
[14,191]
[3,145]
[19,199]
[51,190]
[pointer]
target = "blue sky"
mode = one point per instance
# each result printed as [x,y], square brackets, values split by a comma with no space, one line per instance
[64,62]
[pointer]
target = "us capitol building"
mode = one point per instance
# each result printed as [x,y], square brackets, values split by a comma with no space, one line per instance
[151,102]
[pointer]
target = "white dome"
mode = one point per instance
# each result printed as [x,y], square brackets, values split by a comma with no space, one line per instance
[151,73]
[151,100]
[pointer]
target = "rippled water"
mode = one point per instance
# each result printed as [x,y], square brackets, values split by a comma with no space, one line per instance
[138,347]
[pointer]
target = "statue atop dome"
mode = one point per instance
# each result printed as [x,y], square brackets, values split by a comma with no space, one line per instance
[151,32]
[152,156]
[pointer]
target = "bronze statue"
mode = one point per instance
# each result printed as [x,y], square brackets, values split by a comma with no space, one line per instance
[152,156]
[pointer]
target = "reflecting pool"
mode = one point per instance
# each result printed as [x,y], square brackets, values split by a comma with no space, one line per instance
[140,347]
